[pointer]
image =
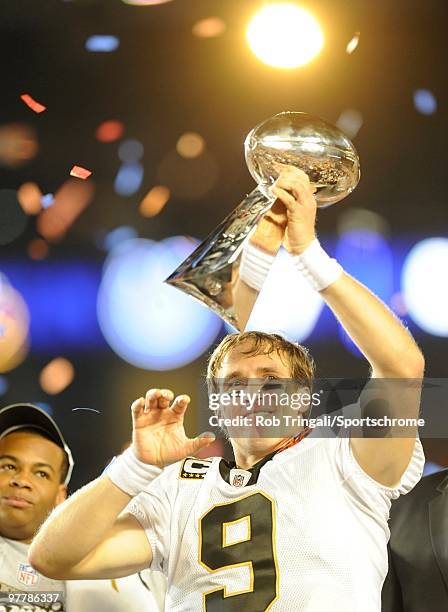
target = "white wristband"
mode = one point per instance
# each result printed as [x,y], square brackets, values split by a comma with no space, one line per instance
[255,265]
[130,474]
[319,269]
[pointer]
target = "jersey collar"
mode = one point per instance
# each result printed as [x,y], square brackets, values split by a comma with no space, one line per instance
[226,466]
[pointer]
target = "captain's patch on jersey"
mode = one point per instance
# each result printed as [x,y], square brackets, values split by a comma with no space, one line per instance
[194,468]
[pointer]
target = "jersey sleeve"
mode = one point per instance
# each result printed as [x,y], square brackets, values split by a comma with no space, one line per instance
[367,492]
[153,510]
[352,472]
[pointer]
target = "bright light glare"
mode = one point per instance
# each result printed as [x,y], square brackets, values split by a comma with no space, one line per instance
[284,35]
[424,288]
[145,321]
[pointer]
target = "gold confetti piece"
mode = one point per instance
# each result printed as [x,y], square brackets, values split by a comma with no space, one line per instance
[353,43]
[80,172]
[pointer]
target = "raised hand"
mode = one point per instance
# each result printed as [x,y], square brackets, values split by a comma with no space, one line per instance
[158,434]
[270,230]
[294,190]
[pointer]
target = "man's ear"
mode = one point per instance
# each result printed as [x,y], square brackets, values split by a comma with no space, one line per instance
[61,495]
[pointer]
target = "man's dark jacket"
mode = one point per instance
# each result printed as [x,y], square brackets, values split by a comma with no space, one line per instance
[418,550]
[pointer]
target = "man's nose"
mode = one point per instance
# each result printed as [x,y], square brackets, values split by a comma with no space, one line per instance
[20,481]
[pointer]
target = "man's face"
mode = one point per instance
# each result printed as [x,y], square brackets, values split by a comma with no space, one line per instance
[236,371]
[30,472]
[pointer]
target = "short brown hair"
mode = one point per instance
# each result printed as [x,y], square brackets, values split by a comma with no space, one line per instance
[298,358]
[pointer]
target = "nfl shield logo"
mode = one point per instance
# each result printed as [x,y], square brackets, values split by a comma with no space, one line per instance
[238,480]
[27,575]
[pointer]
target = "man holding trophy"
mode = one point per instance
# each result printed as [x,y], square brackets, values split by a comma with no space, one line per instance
[295,523]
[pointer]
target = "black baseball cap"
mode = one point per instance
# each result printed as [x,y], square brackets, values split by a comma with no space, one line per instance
[29,416]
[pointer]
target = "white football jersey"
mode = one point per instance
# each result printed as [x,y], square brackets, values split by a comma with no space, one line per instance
[17,577]
[307,533]
[130,594]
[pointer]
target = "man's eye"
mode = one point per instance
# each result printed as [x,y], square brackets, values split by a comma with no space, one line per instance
[8,467]
[272,382]
[235,383]
[42,474]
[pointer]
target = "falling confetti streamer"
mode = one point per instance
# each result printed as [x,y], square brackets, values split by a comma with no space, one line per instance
[80,172]
[31,103]
[353,43]
[89,409]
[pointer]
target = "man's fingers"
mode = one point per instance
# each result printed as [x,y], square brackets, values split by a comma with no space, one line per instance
[288,200]
[151,399]
[180,404]
[158,398]
[205,439]
[301,191]
[166,397]
[277,214]
[304,193]
[137,407]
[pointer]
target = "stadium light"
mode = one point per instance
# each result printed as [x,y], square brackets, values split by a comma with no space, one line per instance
[284,35]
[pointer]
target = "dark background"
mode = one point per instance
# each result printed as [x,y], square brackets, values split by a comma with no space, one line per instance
[163,81]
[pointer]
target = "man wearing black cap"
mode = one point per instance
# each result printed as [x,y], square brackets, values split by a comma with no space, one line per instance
[35,468]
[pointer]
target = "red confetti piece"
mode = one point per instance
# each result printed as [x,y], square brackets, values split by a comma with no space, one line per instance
[80,172]
[31,103]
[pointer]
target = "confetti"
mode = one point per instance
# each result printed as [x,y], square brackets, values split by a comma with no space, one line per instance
[353,43]
[80,172]
[31,103]
[90,409]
